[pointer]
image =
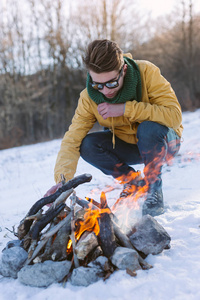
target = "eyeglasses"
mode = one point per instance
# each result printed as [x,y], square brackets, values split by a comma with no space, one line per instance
[109,84]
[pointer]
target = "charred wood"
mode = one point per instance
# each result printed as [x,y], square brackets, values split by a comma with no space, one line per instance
[97,204]
[47,237]
[59,246]
[106,235]
[35,230]
[56,227]
[103,201]
[73,183]
[72,236]
[85,204]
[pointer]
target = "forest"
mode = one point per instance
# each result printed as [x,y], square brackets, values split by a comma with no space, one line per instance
[41,49]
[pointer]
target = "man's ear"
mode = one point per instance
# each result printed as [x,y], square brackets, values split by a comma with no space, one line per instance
[125,68]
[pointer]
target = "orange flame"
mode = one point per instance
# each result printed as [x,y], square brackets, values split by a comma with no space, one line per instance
[90,222]
[134,191]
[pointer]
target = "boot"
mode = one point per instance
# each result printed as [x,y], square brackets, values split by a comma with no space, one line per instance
[153,205]
[131,186]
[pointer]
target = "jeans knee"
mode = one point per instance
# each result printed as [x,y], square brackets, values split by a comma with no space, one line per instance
[86,145]
[149,130]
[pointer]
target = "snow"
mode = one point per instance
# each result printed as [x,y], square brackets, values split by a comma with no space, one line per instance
[26,173]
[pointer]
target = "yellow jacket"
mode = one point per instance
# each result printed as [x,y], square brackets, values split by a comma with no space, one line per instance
[159,104]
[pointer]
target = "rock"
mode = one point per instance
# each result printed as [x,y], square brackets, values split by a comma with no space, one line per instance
[104,264]
[124,258]
[44,274]
[83,276]
[149,236]
[14,243]
[12,261]
[101,261]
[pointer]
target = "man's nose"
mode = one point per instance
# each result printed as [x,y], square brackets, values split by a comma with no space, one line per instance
[105,89]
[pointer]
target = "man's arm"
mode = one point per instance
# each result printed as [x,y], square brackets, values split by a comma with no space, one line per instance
[163,106]
[69,153]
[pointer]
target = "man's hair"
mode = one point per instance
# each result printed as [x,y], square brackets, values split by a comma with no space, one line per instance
[103,56]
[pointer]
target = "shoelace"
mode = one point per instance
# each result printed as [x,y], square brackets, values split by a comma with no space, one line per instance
[153,199]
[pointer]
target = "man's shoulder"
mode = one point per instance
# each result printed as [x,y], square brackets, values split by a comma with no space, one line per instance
[84,93]
[145,64]
[85,99]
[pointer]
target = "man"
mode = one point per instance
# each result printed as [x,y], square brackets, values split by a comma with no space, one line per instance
[142,117]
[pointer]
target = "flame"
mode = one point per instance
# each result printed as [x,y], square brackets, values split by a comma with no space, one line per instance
[69,246]
[135,191]
[90,222]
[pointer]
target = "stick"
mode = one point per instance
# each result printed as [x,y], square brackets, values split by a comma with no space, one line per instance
[35,230]
[85,204]
[36,251]
[62,198]
[57,227]
[93,202]
[72,236]
[73,183]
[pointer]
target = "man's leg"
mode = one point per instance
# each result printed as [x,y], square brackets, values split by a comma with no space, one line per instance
[155,142]
[97,149]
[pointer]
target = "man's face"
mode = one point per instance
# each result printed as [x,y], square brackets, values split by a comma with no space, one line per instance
[108,77]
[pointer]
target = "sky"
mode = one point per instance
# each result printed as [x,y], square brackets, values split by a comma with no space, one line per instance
[156,7]
[26,173]
[162,7]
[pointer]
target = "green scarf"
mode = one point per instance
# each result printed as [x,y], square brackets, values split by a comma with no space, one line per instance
[131,89]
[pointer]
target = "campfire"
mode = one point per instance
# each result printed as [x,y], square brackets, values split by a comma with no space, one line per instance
[86,236]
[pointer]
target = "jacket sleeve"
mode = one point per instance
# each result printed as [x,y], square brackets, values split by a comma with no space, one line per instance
[163,106]
[69,153]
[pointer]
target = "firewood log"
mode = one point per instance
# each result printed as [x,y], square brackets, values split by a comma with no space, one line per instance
[106,235]
[59,246]
[46,219]
[33,234]
[25,225]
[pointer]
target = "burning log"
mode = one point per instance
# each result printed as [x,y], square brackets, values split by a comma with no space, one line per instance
[86,244]
[97,204]
[85,204]
[103,200]
[106,235]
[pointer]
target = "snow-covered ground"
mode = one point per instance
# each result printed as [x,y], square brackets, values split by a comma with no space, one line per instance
[26,173]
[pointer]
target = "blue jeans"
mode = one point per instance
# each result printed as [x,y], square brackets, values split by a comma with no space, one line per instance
[155,144]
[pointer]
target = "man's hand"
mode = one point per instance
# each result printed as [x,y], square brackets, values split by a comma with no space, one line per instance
[107,110]
[53,189]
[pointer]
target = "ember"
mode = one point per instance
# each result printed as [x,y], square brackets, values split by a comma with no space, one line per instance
[87,236]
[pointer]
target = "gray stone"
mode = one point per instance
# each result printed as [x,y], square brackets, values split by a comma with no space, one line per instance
[14,243]
[101,261]
[83,276]
[12,260]
[149,236]
[44,274]
[124,258]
